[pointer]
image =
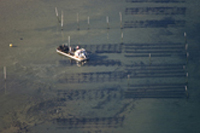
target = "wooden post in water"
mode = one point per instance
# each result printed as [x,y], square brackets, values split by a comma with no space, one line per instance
[128,79]
[78,26]
[4,70]
[120,17]
[56,12]
[187,56]
[69,41]
[185,36]
[149,58]
[62,20]
[186,47]
[107,21]
[186,78]
[122,36]
[184,67]
[186,91]
[88,22]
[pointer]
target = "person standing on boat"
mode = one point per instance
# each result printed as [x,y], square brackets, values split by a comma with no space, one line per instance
[77,47]
[65,48]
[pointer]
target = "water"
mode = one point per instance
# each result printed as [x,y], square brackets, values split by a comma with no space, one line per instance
[121,88]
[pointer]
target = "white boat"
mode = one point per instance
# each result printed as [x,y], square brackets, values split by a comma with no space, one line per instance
[77,54]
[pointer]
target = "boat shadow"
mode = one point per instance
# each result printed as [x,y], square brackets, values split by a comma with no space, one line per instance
[91,61]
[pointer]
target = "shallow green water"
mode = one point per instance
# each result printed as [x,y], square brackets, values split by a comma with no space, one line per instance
[47,92]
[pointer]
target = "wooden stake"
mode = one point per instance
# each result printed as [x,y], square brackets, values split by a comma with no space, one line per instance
[78,27]
[185,36]
[149,58]
[183,67]
[128,79]
[185,87]
[186,47]
[186,77]
[122,37]
[186,91]
[88,22]
[107,20]
[62,20]
[69,41]
[56,12]
[187,55]
[120,17]
[4,69]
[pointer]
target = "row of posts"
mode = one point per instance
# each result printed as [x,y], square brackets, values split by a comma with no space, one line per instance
[187,56]
[61,20]
[186,50]
[184,67]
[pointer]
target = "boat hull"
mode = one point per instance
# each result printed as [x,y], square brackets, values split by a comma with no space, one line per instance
[71,56]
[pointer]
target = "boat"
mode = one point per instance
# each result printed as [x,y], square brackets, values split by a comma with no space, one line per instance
[78,54]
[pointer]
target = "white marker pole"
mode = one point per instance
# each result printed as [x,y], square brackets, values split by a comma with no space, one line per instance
[107,20]
[149,58]
[185,36]
[62,20]
[88,22]
[69,40]
[186,90]
[4,69]
[128,79]
[187,77]
[120,17]
[186,47]
[122,36]
[187,55]
[78,28]
[183,67]
[56,11]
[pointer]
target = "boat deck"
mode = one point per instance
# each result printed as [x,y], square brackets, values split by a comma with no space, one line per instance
[71,55]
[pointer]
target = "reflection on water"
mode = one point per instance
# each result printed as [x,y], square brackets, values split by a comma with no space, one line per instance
[91,62]
[163,23]
[79,64]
